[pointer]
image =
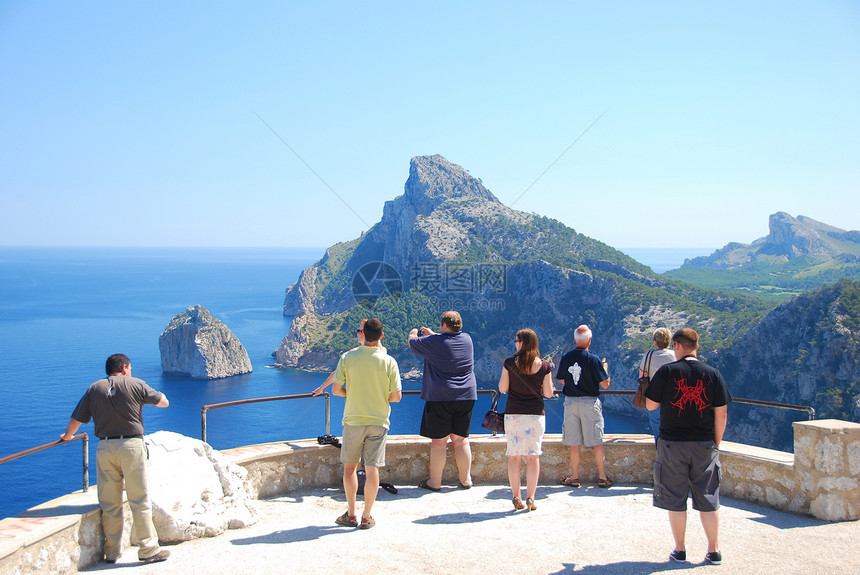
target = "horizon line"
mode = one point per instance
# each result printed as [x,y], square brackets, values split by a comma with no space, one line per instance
[91,246]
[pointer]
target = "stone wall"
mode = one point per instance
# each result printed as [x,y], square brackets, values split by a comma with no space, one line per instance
[59,536]
[278,468]
[822,479]
[827,467]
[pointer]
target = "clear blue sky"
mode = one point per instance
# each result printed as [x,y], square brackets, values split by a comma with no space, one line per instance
[136,123]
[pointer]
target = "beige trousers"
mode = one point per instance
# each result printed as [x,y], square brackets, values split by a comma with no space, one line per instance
[118,460]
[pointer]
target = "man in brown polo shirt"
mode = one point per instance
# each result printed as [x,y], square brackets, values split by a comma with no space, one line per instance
[116,406]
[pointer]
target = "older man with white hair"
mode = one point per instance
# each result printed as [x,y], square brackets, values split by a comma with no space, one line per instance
[583,374]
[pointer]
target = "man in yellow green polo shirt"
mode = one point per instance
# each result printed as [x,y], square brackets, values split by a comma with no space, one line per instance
[369,379]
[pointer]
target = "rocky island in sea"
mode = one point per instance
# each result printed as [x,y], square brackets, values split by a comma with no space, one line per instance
[448,243]
[198,345]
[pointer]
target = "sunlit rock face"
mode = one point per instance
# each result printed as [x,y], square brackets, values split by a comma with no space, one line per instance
[453,245]
[198,345]
[194,490]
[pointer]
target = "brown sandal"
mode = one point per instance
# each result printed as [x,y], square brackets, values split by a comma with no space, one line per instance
[518,504]
[367,522]
[604,483]
[530,504]
[570,480]
[347,520]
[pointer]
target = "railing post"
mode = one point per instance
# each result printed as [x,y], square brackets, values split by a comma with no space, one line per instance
[203,422]
[86,447]
[496,395]
[327,413]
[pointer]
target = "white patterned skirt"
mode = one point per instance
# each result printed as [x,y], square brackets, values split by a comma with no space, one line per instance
[524,434]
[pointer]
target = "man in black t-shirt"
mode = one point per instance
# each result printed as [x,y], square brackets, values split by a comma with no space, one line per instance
[693,401]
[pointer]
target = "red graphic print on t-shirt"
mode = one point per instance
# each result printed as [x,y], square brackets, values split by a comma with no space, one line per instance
[688,395]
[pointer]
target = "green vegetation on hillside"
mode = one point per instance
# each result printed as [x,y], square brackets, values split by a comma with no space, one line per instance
[843,318]
[330,274]
[541,238]
[719,317]
[776,282]
[398,314]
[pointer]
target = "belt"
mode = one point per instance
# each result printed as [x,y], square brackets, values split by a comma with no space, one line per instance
[122,437]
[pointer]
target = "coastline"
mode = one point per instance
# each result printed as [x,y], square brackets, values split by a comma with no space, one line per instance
[62,310]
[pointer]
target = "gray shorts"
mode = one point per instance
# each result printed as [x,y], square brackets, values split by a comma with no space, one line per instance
[684,467]
[365,442]
[583,421]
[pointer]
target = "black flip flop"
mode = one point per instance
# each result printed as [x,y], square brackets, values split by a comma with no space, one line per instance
[425,485]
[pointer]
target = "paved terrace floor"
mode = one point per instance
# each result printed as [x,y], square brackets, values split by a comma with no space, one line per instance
[585,530]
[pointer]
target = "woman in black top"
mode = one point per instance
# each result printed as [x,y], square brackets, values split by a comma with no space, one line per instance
[527,379]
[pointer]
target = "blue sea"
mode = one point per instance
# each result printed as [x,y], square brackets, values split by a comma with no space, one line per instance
[662,260]
[64,310]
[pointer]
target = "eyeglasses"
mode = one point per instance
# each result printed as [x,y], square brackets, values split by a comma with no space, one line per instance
[358,331]
[518,340]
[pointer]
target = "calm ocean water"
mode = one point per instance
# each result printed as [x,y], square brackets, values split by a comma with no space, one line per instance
[64,310]
[664,259]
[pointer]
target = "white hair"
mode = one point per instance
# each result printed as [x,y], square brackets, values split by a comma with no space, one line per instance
[582,334]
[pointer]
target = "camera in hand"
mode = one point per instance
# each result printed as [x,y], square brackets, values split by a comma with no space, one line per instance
[328,440]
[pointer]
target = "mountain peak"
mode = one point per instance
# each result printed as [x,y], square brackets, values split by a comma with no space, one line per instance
[788,238]
[434,180]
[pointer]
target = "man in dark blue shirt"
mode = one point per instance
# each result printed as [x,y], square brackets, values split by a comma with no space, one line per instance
[449,389]
[583,374]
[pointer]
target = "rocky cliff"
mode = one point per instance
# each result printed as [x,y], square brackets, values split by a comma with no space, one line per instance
[788,238]
[804,352]
[198,345]
[448,243]
[452,245]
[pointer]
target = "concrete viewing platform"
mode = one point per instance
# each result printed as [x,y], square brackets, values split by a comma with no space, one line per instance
[585,530]
[782,513]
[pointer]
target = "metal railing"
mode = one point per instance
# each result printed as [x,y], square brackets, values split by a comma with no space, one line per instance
[85,439]
[810,411]
[493,392]
[325,394]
